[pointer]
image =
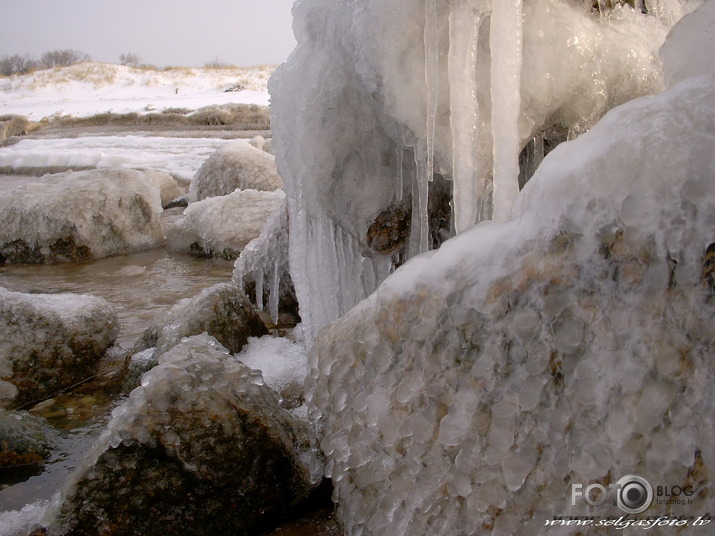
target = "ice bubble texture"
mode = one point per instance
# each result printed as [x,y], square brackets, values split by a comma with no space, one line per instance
[542,351]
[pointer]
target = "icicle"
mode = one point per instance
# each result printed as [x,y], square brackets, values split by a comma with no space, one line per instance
[273,298]
[400,158]
[431,80]
[419,234]
[506,52]
[258,276]
[463,34]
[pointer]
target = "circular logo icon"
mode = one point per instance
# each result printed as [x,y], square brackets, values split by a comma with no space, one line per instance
[635,494]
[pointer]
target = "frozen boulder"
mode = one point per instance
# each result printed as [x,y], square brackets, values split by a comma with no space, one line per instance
[50,341]
[169,188]
[238,165]
[222,311]
[222,226]
[262,269]
[570,345]
[15,126]
[24,439]
[77,216]
[202,448]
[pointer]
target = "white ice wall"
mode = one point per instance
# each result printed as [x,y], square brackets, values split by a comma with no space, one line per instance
[380,94]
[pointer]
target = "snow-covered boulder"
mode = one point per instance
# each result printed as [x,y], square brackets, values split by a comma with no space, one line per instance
[80,215]
[169,188]
[50,341]
[238,165]
[262,269]
[569,346]
[202,447]
[222,226]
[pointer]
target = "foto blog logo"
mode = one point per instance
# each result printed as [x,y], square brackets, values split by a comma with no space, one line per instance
[633,494]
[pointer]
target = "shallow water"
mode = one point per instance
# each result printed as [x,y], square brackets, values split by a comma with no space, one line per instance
[140,286]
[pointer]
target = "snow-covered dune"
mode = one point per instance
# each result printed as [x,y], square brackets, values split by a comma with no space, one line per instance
[90,88]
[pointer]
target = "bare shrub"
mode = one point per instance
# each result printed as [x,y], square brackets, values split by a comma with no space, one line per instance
[130,59]
[62,58]
[17,64]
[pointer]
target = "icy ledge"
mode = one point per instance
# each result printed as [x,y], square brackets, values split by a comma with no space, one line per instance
[572,344]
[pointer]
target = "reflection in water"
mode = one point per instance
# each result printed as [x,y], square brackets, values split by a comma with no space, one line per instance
[140,286]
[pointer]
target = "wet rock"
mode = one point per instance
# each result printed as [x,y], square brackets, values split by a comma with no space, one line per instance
[50,342]
[222,226]
[202,448]
[75,216]
[181,201]
[222,311]
[238,165]
[24,439]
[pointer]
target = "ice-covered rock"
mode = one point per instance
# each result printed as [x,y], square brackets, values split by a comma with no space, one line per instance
[222,226]
[238,165]
[50,341]
[262,269]
[202,447]
[222,311]
[80,215]
[24,438]
[569,345]
[169,188]
[380,98]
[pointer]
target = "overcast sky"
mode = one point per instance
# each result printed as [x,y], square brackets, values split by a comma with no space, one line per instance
[161,32]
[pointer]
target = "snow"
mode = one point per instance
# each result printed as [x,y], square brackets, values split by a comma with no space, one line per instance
[572,343]
[21,522]
[282,362]
[181,157]
[91,88]
[358,127]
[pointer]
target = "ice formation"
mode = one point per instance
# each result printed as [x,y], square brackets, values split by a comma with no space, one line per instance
[50,341]
[571,344]
[238,165]
[80,215]
[380,98]
[223,225]
[263,264]
[283,364]
[202,447]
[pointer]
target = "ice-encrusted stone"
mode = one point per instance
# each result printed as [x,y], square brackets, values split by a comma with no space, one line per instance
[221,311]
[24,438]
[238,165]
[222,226]
[585,362]
[50,341]
[200,448]
[81,215]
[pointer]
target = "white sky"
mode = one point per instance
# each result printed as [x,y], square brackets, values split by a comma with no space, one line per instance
[161,32]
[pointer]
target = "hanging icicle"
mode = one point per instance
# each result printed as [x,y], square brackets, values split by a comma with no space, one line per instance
[506,52]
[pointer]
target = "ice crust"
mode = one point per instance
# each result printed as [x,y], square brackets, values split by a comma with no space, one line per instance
[264,262]
[50,341]
[571,344]
[238,165]
[379,96]
[221,434]
[80,215]
[223,225]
